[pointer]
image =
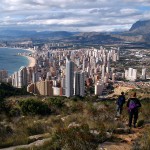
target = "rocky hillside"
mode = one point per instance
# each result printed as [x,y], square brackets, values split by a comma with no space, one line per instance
[141,27]
[94,38]
[139,32]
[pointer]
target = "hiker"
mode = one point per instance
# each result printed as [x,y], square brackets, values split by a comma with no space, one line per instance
[133,105]
[120,102]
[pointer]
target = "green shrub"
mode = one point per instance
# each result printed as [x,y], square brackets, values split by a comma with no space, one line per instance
[55,102]
[33,107]
[76,138]
[140,123]
[15,112]
[5,131]
[7,90]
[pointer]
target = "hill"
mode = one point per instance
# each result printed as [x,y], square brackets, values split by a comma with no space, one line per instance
[43,123]
[139,32]
[20,34]
[141,27]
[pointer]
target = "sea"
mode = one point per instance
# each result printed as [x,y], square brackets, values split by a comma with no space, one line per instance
[11,61]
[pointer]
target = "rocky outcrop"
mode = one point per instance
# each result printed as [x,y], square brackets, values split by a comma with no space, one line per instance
[141,27]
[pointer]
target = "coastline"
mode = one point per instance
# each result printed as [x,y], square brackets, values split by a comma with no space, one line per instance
[31,60]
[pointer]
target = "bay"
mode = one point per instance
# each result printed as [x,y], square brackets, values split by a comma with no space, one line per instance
[10,61]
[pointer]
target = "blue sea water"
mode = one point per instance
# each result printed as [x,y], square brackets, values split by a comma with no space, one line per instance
[10,61]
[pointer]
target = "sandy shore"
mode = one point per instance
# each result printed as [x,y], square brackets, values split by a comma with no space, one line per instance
[32,61]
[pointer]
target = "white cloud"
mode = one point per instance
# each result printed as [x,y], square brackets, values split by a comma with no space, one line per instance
[90,15]
[128,11]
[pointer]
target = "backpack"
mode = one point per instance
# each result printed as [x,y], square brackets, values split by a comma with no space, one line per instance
[121,100]
[132,105]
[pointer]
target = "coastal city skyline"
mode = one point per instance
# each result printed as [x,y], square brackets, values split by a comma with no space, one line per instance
[72,15]
[62,72]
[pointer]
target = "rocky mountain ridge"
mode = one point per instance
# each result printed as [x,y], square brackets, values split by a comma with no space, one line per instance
[139,32]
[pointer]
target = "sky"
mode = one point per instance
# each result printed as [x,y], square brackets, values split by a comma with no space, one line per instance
[72,15]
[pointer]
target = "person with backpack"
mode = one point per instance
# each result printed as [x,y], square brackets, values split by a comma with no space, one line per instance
[120,102]
[133,105]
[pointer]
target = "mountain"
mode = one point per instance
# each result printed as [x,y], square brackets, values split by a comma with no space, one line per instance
[19,34]
[141,27]
[94,38]
[139,32]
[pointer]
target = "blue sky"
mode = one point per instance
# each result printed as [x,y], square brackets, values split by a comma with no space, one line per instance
[72,15]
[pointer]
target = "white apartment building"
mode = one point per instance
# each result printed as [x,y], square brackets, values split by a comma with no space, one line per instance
[131,74]
[144,73]
[19,79]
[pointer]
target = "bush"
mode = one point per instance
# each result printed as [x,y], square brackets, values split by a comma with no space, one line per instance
[55,102]
[35,128]
[75,138]
[5,131]
[33,107]
[15,112]
[140,123]
[7,90]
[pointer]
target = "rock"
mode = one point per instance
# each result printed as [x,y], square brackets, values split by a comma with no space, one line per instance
[108,134]
[94,132]
[122,130]
[73,124]
[64,118]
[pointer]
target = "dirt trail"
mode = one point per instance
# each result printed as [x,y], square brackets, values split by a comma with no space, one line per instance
[126,140]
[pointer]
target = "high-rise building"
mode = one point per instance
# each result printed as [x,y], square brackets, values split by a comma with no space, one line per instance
[113,77]
[131,74]
[79,83]
[134,74]
[41,88]
[69,79]
[143,73]
[103,72]
[3,75]
[99,88]
[19,79]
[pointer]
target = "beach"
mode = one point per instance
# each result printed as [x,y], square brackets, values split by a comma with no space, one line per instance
[32,61]
[11,61]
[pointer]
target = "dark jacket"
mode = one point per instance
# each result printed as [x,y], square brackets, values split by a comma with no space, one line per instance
[136,101]
[121,100]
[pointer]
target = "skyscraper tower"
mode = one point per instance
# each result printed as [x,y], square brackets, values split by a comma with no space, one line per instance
[79,83]
[22,77]
[83,66]
[144,73]
[69,79]
[103,72]
[19,79]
